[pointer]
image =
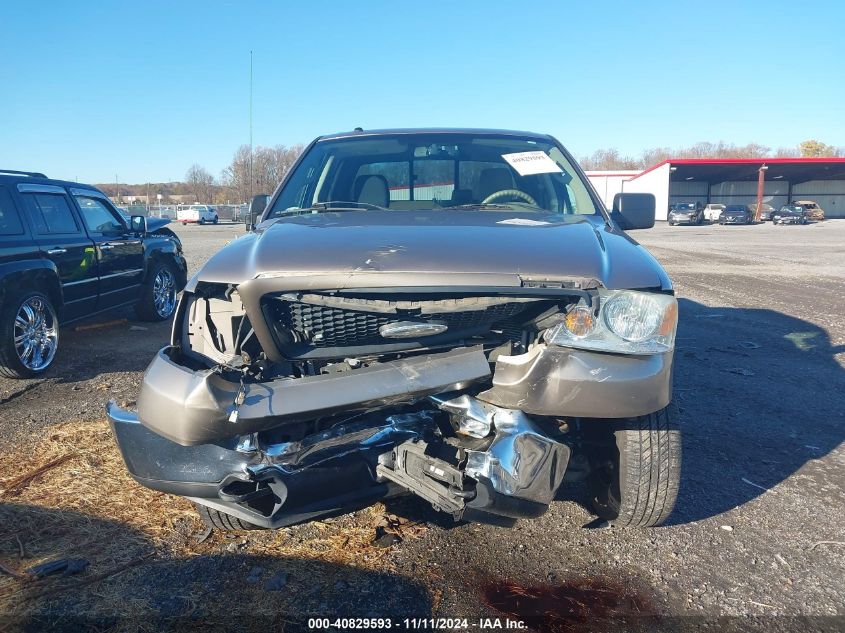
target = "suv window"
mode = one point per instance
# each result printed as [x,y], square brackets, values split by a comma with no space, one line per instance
[50,213]
[98,217]
[10,222]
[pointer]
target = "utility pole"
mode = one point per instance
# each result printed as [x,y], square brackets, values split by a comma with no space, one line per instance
[117,186]
[251,174]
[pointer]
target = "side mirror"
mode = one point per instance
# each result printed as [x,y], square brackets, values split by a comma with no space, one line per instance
[138,224]
[633,210]
[256,207]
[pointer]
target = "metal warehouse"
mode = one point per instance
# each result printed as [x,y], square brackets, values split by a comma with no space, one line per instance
[776,181]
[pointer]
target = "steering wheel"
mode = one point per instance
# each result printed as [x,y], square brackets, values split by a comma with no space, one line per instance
[510,193]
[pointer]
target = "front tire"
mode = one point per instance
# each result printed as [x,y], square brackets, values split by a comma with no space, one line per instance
[29,334]
[158,294]
[223,522]
[635,474]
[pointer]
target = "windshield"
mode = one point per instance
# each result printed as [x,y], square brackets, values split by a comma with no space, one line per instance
[736,208]
[405,172]
[686,206]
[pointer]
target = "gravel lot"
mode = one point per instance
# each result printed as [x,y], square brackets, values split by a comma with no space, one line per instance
[758,527]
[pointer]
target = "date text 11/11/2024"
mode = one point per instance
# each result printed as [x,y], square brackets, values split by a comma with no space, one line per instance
[416,624]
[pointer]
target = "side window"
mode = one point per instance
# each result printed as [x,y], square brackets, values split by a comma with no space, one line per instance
[99,218]
[10,222]
[50,213]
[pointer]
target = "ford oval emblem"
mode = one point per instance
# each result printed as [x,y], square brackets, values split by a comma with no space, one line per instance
[411,329]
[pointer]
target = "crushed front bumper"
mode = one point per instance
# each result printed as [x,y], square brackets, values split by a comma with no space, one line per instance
[500,463]
[350,466]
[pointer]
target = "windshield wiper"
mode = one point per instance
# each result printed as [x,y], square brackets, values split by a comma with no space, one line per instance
[479,205]
[334,205]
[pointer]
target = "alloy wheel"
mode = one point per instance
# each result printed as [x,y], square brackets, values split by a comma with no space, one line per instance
[36,333]
[164,292]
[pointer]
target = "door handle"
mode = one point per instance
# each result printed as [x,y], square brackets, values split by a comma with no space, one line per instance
[57,251]
[106,247]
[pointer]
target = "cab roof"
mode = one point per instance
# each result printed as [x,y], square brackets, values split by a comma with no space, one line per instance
[434,130]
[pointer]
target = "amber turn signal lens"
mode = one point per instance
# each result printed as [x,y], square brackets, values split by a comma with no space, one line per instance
[579,321]
[670,320]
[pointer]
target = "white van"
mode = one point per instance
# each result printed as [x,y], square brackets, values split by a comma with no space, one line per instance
[198,213]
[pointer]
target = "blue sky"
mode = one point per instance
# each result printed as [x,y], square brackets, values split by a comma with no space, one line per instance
[145,89]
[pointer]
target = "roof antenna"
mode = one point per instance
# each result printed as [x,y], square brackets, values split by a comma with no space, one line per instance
[358,129]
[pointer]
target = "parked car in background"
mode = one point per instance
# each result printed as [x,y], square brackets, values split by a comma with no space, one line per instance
[197,213]
[713,211]
[812,211]
[736,214]
[766,211]
[686,213]
[790,214]
[66,253]
[470,348]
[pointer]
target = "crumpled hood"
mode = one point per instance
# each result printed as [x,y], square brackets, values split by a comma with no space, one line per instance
[431,244]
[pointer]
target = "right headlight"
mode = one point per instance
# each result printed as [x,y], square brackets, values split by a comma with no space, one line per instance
[627,322]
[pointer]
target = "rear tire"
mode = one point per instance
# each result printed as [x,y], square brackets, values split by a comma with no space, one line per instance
[216,219]
[635,476]
[47,327]
[223,522]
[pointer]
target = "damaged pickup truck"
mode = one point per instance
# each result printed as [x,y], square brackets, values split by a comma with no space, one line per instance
[448,313]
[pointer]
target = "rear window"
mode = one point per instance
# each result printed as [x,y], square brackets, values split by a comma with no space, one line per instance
[10,222]
[50,213]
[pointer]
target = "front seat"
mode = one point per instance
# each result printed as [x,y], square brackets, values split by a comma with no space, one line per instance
[492,180]
[372,189]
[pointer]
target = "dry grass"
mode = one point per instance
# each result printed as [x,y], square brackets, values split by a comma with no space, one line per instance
[70,496]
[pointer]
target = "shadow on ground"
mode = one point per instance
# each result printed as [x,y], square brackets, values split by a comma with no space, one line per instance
[760,397]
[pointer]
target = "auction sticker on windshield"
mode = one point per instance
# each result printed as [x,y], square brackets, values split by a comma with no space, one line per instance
[531,163]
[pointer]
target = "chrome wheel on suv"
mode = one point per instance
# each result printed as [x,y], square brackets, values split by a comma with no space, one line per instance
[36,333]
[164,292]
[29,334]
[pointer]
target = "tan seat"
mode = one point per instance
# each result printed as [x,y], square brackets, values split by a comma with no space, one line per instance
[372,189]
[492,180]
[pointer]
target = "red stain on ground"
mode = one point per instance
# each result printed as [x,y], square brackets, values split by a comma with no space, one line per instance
[579,605]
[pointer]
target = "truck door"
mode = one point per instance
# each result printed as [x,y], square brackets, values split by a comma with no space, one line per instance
[60,237]
[120,255]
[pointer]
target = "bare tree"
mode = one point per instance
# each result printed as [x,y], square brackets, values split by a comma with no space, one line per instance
[269,167]
[200,182]
[236,175]
[604,159]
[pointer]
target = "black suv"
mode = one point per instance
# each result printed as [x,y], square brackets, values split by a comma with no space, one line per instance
[67,253]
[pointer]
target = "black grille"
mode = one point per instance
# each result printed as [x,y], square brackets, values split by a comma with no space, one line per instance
[324,326]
